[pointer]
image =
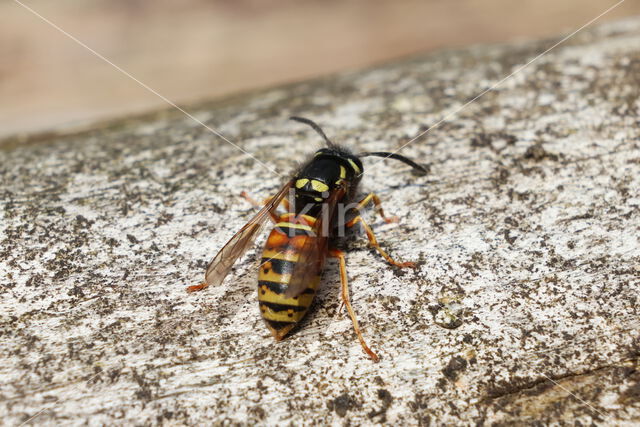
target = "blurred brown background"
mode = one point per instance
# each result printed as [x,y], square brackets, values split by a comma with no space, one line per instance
[196,49]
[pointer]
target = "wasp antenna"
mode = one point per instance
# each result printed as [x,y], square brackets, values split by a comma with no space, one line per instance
[395,156]
[315,127]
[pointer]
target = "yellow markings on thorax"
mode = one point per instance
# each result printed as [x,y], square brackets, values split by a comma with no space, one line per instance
[354,166]
[316,185]
[343,176]
[319,186]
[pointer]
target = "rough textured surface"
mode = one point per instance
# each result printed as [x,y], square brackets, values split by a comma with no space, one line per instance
[524,306]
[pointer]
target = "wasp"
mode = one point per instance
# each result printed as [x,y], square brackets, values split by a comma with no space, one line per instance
[319,208]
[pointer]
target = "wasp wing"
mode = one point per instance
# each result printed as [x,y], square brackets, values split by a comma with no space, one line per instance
[314,250]
[221,264]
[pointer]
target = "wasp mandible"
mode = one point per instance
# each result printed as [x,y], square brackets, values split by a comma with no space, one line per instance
[320,208]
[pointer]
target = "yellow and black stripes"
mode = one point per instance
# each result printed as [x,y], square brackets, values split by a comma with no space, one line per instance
[292,230]
[279,259]
[277,266]
[282,313]
[278,289]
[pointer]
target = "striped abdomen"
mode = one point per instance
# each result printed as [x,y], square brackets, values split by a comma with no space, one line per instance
[280,255]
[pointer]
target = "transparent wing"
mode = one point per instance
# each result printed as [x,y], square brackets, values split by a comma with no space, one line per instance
[314,250]
[221,264]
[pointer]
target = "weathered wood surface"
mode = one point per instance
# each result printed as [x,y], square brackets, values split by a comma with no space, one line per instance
[524,306]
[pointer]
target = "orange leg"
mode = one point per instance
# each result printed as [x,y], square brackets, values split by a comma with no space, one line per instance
[378,207]
[374,242]
[196,288]
[334,253]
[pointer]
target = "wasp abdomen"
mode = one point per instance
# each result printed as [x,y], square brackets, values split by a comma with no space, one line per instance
[279,258]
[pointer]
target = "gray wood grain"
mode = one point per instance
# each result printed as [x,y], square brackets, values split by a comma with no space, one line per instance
[523,308]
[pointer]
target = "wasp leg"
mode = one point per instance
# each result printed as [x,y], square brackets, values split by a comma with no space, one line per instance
[374,242]
[274,216]
[196,288]
[372,197]
[334,253]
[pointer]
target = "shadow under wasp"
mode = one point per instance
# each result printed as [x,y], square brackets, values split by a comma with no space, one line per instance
[320,207]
